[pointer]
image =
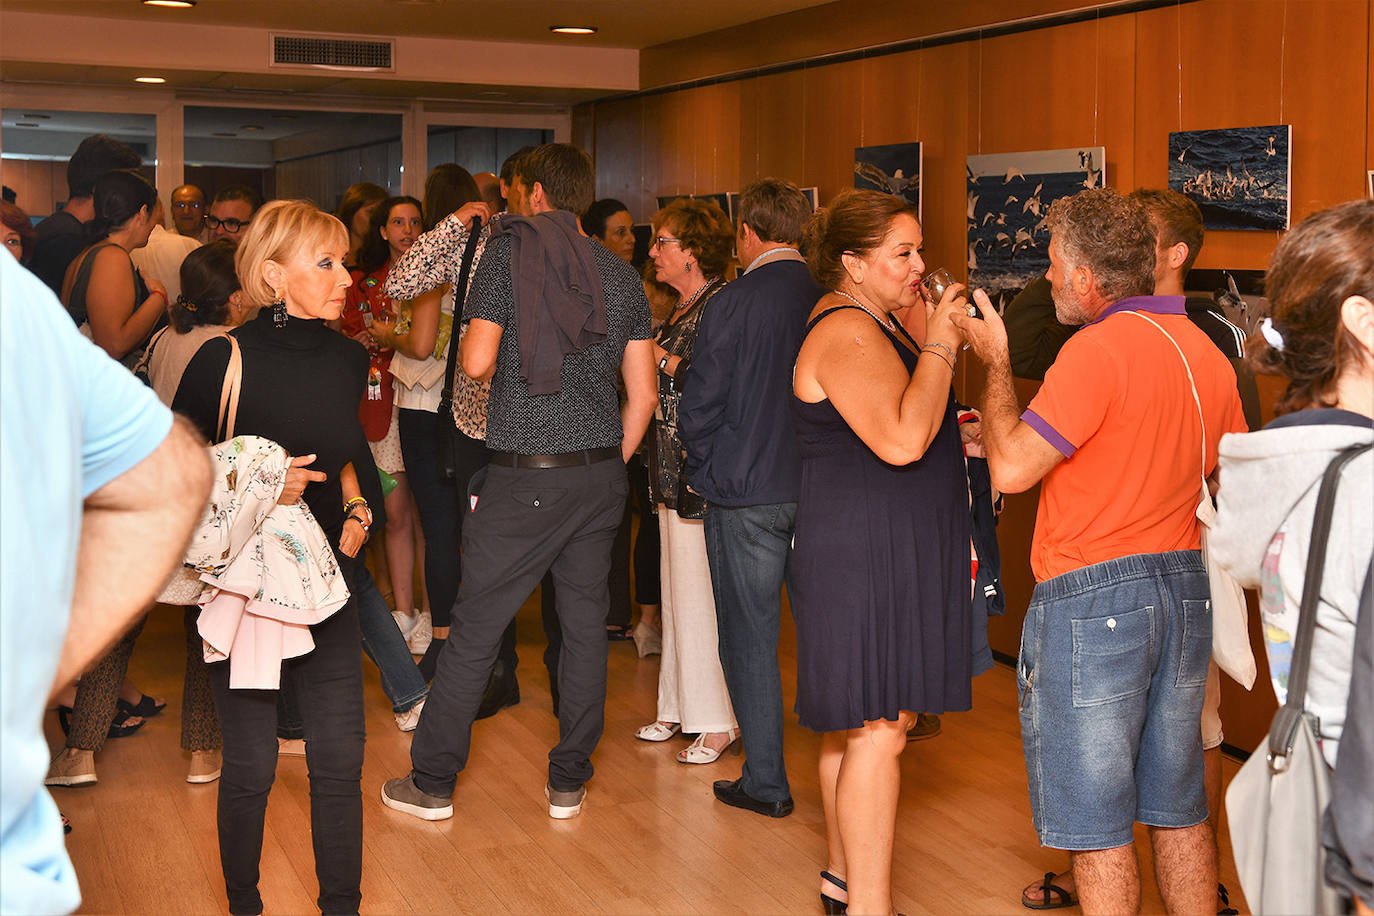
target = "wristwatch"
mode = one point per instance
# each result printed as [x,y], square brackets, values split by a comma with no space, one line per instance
[663,363]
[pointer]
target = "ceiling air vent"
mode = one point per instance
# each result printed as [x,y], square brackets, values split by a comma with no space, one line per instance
[332,53]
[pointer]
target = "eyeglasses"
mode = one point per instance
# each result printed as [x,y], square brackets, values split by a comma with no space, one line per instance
[230,224]
[662,240]
[187,205]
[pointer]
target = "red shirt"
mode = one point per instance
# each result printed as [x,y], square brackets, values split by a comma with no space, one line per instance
[367,297]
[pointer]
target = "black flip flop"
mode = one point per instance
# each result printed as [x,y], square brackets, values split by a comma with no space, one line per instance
[145,708]
[1053,896]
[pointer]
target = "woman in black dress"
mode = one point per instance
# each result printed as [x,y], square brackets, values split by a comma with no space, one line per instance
[302,384]
[879,583]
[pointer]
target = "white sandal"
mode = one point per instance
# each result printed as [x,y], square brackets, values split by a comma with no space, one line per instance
[698,752]
[658,731]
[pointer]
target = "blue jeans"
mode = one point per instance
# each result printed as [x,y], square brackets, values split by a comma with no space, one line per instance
[1112,674]
[382,641]
[748,549]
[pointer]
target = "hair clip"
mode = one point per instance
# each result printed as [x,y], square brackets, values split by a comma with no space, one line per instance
[186,303]
[1271,333]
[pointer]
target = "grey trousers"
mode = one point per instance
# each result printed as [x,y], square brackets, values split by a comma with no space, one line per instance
[527,521]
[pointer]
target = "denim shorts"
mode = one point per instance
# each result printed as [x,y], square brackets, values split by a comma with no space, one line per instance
[1111,678]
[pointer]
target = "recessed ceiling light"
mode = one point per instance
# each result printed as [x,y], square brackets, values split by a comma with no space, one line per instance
[174,4]
[250,127]
[149,79]
[573,29]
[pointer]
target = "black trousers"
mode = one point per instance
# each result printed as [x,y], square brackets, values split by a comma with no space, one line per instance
[527,521]
[328,686]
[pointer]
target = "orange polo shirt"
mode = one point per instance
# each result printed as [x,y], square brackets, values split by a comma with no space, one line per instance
[1118,406]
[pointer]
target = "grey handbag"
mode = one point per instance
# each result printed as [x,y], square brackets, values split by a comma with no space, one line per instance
[1276,802]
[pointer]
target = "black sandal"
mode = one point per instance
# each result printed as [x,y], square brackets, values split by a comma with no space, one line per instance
[1225,898]
[145,708]
[119,727]
[1048,892]
[832,906]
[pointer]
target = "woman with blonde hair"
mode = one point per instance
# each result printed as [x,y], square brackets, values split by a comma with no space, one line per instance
[301,387]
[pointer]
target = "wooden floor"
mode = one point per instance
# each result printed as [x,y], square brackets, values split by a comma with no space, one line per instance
[651,838]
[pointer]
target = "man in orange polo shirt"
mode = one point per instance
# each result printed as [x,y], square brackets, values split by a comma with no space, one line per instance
[1117,638]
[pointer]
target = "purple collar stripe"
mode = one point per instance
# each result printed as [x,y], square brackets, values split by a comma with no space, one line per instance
[1159,305]
[1049,433]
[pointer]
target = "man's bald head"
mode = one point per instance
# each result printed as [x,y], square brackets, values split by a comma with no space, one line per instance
[490,186]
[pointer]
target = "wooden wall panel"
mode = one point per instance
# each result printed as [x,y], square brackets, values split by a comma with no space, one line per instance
[1123,82]
[38,185]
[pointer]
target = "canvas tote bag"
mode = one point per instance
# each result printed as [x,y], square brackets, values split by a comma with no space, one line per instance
[1276,802]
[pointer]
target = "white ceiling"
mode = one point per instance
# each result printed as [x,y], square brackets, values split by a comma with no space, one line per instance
[621,23]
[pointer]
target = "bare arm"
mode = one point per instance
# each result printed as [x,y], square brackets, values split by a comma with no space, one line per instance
[479,347]
[354,534]
[850,361]
[1018,456]
[117,322]
[134,531]
[424,326]
[641,387]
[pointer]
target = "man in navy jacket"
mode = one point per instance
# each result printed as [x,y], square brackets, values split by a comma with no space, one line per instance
[736,422]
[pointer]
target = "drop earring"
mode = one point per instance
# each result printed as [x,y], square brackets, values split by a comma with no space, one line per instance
[279,311]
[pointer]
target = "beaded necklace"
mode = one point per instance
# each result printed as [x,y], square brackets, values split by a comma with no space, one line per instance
[885,322]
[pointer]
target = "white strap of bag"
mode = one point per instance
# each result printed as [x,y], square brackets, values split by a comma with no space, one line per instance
[1196,400]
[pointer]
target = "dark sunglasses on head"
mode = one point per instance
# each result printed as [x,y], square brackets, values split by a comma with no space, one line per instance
[230,224]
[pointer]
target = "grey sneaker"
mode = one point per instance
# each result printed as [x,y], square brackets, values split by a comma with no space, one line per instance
[565,805]
[401,794]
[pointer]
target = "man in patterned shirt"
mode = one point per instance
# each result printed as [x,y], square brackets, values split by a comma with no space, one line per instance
[555,489]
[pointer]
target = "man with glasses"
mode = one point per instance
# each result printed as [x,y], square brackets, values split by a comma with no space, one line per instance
[231,211]
[188,211]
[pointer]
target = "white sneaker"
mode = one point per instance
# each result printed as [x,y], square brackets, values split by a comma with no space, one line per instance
[421,636]
[405,622]
[408,721]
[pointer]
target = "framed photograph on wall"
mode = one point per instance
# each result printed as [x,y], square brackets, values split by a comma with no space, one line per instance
[1238,176]
[1369,187]
[1008,197]
[894,168]
[814,196]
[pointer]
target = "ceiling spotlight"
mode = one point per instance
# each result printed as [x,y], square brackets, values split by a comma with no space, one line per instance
[173,4]
[149,79]
[250,127]
[573,29]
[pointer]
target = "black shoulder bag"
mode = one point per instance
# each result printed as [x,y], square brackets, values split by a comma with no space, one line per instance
[448,429]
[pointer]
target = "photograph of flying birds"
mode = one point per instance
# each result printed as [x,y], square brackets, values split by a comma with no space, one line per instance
[894,168]
[1238,177]
[1009,195]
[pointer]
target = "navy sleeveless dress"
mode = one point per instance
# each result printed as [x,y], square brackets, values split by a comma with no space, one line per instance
[879,585]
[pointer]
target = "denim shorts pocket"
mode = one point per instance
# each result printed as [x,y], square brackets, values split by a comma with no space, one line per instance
[1025,660]
[1197,644]
[1111,656]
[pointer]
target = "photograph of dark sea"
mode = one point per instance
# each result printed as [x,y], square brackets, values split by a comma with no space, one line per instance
[1238,176]
[1008,197]
[894,168]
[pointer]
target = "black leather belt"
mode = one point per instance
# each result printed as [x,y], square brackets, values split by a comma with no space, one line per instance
[562,460]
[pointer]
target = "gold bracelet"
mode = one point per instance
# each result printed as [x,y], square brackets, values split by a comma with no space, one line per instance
[943,359]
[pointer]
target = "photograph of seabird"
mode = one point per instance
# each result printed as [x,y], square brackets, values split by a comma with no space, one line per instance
[1008,197]
[1238,176]
[894,168]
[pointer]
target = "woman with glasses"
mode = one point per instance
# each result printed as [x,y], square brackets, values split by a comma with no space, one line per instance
[690,252]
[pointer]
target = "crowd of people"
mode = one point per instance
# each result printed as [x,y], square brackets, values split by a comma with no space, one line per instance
[487,379]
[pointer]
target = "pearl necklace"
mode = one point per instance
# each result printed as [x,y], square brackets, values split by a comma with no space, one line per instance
[887,323]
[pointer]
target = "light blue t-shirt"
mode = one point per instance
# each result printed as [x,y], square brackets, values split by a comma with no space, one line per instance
[71,421]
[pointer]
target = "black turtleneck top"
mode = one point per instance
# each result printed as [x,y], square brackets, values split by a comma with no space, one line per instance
[301,388]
